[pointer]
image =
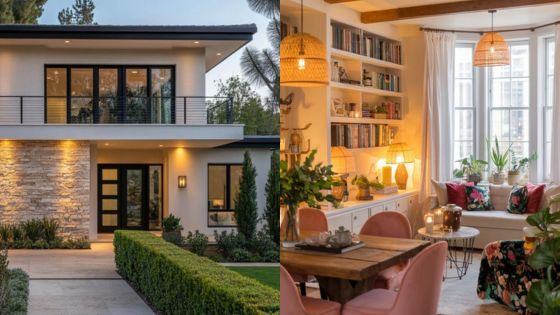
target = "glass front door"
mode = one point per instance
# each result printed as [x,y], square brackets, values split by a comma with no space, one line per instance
[130,197]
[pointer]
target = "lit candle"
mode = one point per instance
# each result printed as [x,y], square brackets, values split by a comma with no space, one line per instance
[429,222]
[438,219]
[387,175]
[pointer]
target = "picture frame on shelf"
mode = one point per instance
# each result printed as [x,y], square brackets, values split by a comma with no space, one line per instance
[338,108]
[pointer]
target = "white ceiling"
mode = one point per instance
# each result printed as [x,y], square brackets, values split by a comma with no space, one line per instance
[506,18]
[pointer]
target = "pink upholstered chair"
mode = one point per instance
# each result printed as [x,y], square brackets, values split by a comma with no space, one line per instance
[389,224]
[310,221]
[291,303]
[418,294]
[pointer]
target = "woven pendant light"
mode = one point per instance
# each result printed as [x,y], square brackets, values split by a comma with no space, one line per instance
[491,50]
[303,60]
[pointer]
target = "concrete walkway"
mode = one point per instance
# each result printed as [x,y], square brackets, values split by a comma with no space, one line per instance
[76,282]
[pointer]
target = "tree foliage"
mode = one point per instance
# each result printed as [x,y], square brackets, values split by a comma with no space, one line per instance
[272,211]
[248,108]
[81,13]
[21,11]
[262,67]
[246,199]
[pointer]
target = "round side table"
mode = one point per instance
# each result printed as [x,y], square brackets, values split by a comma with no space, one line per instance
[460,247]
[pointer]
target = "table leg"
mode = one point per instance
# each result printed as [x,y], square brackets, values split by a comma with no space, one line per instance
[342,290]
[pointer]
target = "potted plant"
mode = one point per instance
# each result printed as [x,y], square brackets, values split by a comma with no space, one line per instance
[363,185]
[500,160]
[544,295]
[380,112]
[172,229]
[471,168]
[338,189]
[518,167]
[302,183]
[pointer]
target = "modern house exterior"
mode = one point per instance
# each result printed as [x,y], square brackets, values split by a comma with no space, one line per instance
[108,127]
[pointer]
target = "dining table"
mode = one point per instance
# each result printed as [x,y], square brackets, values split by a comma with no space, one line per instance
[344,276]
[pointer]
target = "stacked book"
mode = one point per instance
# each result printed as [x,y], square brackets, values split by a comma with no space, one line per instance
[286,28]
[387,82]
[366,44]
[355,136]
[392,109]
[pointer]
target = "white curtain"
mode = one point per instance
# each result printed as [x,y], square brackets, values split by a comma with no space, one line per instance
[555,151]
[437,131]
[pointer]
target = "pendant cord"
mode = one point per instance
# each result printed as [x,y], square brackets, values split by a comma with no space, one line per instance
[301,50]
[492,28]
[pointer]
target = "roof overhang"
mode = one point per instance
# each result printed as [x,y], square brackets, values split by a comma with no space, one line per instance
[219,41]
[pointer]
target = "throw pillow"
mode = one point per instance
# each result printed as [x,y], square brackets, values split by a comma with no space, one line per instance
[456,194]
[518,200]
[499,196]
[549,191]
[478,198]
[535,195]
[441,192]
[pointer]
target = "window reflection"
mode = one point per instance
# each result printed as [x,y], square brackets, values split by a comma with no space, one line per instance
[56,95]
[81,86]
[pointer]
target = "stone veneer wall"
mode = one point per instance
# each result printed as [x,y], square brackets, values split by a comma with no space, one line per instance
[46,179]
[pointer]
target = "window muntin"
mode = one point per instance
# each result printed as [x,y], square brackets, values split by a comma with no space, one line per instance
[223,184]
[548,102]
[464,105]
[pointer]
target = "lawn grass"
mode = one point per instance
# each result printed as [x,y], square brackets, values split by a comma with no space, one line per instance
[269,276]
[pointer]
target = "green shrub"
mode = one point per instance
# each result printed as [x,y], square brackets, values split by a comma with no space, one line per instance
[197,242]
[261,243]
[3,278]
[226,243]
[50,229]
[241,255]
[175,281]
[33,229]
[17,293]
[246,199]
[17,232]
[272,256]
[4,233]
[171,224]
[272,189]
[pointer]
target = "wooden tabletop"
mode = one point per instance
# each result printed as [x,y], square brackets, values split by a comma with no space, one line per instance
[361,264]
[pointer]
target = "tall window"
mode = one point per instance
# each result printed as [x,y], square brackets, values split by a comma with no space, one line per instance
[549,94]
[223,184]
[464,106]
[509,101]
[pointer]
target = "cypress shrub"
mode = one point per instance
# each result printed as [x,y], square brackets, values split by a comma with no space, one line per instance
[272,211]
[246,199]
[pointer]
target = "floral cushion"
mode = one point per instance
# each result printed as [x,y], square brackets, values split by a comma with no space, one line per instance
[478,198]
[518,200]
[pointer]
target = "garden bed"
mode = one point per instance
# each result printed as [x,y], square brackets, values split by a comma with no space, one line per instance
[175,281]
[17,294]
[38,234]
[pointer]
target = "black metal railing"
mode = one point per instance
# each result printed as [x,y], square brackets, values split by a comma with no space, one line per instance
[181,110]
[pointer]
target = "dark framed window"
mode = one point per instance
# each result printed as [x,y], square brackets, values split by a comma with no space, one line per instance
[223,184]
[105,94]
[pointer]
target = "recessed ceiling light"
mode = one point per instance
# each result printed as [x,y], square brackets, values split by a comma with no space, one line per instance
[218,54]
[161,145]
[197,42]
[67,41]
[56,72]
[106,144]
[134,72]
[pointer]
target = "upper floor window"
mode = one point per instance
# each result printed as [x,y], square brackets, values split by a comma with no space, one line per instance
[549,99]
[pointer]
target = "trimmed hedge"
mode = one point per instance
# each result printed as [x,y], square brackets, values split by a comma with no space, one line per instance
[18,293]
[175,281]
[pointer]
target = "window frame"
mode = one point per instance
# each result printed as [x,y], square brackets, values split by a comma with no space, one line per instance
[228,206]
[546,156]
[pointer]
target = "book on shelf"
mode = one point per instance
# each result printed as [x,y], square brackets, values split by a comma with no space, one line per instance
[286,28]
[366,44]
[354,136]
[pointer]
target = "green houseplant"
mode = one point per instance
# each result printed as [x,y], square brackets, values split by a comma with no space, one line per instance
[363,185]
[302,183]
[500,161]
[518,167]
[471,168]
[172,229]
[544,295]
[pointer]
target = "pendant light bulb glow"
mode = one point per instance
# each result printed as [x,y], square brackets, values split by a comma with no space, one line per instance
[492,49]
[301,64]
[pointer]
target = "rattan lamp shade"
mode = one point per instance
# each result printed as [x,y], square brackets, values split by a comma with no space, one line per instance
[486,56]
[399,153]
[312,71]
[342,160]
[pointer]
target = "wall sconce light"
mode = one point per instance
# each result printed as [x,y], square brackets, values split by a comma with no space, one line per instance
[182,181]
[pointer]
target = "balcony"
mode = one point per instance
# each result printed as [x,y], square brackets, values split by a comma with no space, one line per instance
[184,120]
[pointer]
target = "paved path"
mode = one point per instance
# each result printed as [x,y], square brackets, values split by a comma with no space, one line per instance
[76,282]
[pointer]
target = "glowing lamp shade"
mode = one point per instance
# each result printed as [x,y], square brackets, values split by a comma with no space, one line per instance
[342,160]
[400,153]
[182,182]
[303,61]
[491,50]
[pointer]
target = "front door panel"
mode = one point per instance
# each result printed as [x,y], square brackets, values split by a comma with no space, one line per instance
[134,209]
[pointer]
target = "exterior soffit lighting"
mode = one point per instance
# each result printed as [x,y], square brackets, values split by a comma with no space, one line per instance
[303,59]
[491,50]
[218,54]
[67,42]
[197,42]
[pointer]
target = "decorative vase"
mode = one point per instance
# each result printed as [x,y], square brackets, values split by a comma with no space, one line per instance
[172,236]
[498,178]
[452,217]
[401,176]
[338,192]
[364,193]
[292,236]
[475,178]
[513,178]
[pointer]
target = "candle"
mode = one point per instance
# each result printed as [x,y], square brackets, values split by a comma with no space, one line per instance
[387,175]
[429,222]
[438,217]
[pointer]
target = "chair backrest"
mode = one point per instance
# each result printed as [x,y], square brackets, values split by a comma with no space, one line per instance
[312,220]
[290,300]
[421,285]
[387,224]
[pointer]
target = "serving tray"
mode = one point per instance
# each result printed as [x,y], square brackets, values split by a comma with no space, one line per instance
[331,249]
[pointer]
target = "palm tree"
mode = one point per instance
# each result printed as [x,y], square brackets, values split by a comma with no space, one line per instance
[262,67]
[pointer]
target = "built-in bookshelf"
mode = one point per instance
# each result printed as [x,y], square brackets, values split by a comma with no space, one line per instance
[355,136]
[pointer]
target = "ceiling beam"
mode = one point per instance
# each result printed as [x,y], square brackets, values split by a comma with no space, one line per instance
[445,8]
[339,1]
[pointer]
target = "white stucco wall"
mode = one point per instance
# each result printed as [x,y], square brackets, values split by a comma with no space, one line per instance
[22,68]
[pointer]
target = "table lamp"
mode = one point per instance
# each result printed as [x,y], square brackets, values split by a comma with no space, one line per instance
[400,153]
